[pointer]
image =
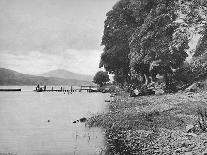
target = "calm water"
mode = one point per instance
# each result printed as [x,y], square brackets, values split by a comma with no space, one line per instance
[25,130]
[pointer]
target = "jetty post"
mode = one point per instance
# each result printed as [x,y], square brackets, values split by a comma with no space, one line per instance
[89,90]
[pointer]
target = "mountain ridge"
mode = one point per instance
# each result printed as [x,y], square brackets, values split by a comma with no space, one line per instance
[11,77]
[61,73]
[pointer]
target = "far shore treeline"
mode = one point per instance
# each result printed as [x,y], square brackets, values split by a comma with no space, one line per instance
[143,38]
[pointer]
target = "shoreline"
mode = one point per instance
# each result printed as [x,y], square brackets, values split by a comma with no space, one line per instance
[155,124]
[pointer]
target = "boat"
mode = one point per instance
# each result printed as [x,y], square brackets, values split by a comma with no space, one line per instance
[39,89]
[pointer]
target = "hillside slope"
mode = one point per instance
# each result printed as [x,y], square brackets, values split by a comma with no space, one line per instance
[10,77]
[60,73]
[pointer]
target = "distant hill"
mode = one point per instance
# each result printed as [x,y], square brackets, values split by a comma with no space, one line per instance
[60,73]
[10,77]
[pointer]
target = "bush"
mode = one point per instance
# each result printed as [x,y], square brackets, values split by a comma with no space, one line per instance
[101,78]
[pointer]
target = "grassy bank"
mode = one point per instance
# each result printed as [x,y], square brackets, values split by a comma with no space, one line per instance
[159,124]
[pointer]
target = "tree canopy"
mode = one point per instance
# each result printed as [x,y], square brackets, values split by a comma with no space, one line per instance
[139,32]
[158,36]
[118,28]
[101,78]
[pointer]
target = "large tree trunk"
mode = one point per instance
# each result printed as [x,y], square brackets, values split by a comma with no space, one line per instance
[167,81]
[169,86]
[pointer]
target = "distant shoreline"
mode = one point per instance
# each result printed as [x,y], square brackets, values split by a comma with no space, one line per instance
[10,78]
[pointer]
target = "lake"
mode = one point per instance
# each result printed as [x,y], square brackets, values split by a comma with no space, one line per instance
[33,123]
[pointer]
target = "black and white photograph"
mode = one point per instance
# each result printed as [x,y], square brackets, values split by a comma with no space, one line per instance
[103,77]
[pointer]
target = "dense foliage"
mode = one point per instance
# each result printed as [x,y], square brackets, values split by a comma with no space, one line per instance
[194,14]
[101,78]
[155,37]
[117,31]
[140,33]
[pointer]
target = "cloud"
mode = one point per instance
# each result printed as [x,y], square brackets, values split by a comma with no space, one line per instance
[41,35]
[50,25]
[36,62]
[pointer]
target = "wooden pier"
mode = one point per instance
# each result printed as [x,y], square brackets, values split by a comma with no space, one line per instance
[88,88]
[10,89]
[82,88]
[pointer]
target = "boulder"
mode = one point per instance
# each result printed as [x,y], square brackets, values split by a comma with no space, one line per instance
[159,92]
[83,119]
[76,121]
[190,128]
[145,92]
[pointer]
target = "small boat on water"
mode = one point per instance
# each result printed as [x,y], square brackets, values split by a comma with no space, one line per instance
[39,89]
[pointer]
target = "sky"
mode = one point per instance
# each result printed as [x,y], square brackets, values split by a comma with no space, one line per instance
[37,36]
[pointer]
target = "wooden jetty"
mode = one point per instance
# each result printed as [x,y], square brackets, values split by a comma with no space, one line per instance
[62,89]
[88,88]
[10,89]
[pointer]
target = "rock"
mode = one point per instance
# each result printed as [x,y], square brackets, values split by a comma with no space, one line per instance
[190,128]
[145,92]
[83,119]
[132,94]
[76,121]
[159,92]
[80,120]
[136,92]
[107,100]
[192,88]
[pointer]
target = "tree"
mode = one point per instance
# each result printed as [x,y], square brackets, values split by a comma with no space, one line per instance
[202,45]
[101,78]
[157,38]
[118,28]
[140,32]
[192,16]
